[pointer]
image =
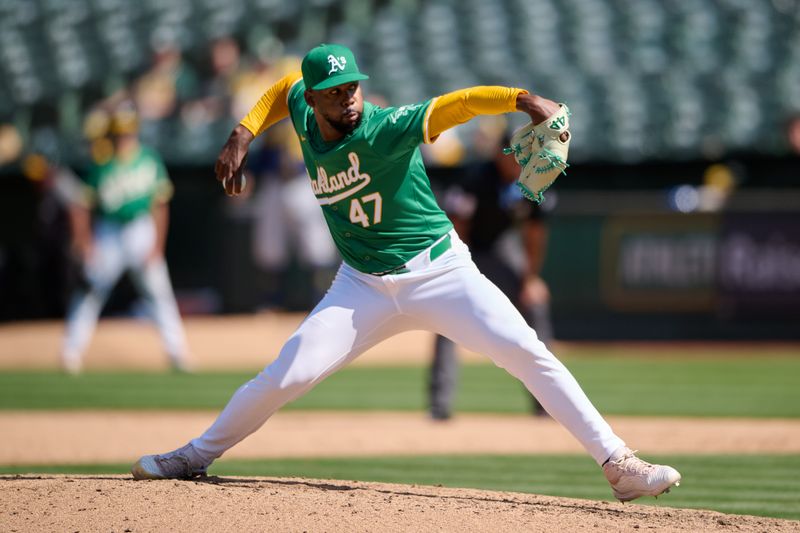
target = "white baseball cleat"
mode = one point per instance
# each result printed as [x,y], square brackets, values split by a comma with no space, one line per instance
[631,478]
[183,463]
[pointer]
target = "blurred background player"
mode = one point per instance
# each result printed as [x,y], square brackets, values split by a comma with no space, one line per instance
[507,236]
[57,189]
[121,224]
[289,230]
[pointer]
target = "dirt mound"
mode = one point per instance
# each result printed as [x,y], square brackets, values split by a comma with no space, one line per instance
[117,503]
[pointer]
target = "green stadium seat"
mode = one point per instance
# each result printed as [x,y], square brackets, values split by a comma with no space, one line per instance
[692,78]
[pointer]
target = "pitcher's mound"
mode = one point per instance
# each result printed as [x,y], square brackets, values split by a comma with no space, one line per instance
[117,503]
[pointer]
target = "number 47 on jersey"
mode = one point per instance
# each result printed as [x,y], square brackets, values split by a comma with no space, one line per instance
[359,216]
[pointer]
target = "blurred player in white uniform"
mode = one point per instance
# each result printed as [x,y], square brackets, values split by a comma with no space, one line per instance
[121,224]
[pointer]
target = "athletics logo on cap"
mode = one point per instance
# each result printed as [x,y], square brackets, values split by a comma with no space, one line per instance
[329,65]
[336,63]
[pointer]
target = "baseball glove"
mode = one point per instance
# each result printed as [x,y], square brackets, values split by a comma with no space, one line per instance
[541,153]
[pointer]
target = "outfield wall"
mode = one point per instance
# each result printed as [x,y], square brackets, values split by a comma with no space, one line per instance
[645,275]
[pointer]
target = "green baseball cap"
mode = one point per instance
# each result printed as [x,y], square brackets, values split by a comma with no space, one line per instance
[328,65]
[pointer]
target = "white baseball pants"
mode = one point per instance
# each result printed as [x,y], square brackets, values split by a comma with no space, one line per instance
[117,248]
[448,296]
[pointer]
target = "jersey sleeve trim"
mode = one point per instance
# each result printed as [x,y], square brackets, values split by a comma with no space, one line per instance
[426,123]
[164,192]
[289,91]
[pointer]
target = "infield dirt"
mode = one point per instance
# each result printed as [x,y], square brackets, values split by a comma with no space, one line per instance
[116,503]
[33,503]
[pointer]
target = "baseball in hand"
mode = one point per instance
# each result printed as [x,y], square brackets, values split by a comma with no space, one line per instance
[235,184]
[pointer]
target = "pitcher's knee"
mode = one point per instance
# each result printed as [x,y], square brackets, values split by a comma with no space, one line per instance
[526,351]
[290,379]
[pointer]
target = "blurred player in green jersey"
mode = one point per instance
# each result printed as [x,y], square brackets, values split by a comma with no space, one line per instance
[121,224]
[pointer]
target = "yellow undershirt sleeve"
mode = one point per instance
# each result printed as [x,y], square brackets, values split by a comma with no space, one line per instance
[272,106]
[458,107]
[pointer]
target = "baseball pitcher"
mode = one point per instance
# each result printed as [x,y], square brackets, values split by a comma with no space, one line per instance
[404,267]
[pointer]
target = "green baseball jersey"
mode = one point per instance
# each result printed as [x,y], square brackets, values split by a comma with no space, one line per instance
[371,184]
[124,190]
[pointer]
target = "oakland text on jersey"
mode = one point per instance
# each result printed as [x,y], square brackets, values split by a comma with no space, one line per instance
[338,181]
[124,184]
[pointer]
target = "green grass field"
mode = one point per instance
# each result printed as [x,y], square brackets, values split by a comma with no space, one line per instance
[679,384]
[766,486]
[661,386]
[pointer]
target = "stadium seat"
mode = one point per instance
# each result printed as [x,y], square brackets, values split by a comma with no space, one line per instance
[690,78]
